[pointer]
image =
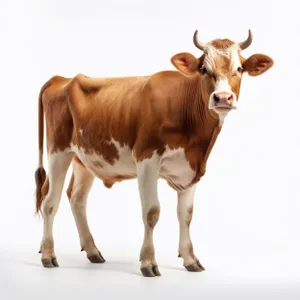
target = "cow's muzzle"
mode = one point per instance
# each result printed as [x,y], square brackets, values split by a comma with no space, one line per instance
[223,101]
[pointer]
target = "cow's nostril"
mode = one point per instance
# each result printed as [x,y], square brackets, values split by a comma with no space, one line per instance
[230,98]
[216,98]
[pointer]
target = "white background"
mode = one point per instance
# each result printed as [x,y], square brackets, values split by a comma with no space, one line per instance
[246,220]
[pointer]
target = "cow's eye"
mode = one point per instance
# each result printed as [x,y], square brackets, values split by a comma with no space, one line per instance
[203,70]
[240,70]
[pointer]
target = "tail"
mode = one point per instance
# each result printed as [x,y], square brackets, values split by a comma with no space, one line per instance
[40,173]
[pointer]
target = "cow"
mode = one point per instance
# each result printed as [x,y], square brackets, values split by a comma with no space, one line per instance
[145,127]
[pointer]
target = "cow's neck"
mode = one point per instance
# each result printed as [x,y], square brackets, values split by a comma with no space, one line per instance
[196,118]
[201,127]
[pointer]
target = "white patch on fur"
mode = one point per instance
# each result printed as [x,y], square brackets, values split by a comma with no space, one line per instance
[80,131]
[222,118]
[58,164]
[211,53]
[173,165]
[147,172]
[96,163]
[230,52]
[83,181]
[222,86]
[175,168]
[185,201]
[234,57]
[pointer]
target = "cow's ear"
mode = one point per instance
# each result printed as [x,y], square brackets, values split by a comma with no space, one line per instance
[185,63]
[257,64]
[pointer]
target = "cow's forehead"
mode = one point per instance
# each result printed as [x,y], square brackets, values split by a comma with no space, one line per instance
[222,56]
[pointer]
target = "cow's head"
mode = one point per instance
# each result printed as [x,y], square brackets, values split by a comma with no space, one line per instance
[221,68]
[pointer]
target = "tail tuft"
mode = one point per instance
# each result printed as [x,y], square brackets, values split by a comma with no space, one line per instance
[40,177]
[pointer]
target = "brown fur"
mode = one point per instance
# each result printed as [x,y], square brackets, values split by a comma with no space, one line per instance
[45,187]
[186,62]
[222,43]
[40,176]
[257,64]
[50,210]
[153,216]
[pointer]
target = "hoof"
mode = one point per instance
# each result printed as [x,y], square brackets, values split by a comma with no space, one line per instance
[50,262]
[195,267]
[150,271]
[96,259]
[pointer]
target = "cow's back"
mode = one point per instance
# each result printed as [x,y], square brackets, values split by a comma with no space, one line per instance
[106,109]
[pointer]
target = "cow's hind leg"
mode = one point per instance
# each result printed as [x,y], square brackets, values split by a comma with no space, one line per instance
[79,187]
[58,166]
[185,213]
[147,179]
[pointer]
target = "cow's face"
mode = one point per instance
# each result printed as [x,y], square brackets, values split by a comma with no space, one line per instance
[221,68]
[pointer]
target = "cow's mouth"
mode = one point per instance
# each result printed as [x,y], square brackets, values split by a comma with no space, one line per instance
[223,109]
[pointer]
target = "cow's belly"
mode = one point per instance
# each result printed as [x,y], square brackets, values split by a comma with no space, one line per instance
[176,169]
[110,171]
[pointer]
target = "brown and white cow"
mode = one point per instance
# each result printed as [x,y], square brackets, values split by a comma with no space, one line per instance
[150,127]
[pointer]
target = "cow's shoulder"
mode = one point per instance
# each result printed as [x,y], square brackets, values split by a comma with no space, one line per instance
[85,83]
[165,80]
[92,84]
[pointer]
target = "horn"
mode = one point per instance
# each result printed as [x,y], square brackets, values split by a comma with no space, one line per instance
[197,43]
[245,44]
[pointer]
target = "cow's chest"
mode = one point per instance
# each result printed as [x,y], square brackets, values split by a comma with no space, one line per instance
[176,169]
[174,166]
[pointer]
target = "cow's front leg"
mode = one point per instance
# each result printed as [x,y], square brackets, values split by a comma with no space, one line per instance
[185,213]
[147,172]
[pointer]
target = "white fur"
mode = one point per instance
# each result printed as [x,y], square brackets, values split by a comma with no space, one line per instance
[58,166]
[211,53]
[235,59]
[222,83]
[222,86]
[230,52]
[125,165]
[185,201]
[175,168]
[147,173]
[82,184]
